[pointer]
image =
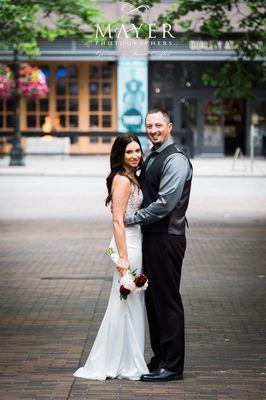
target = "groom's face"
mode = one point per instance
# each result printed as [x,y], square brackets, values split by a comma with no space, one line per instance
[158,128]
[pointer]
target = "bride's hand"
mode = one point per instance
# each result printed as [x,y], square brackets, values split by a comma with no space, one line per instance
[122,265]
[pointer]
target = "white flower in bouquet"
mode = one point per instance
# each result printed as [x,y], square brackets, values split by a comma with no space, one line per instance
[127,281]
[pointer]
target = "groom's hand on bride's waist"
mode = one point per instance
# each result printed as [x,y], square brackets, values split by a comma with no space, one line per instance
[129,219]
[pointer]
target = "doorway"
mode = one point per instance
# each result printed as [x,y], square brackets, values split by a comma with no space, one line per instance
[218,127]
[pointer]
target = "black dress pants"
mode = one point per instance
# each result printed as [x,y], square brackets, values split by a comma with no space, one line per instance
[162,263]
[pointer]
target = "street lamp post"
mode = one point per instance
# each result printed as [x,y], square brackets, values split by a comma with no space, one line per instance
[254,122]
[17,153]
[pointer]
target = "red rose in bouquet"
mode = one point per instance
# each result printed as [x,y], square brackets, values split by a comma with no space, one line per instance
[124,292]
[130,282]
[140,280]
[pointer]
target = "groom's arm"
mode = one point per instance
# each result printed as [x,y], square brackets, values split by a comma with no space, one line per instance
[176,171]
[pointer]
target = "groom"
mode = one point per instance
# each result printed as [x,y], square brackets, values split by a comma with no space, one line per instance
[165,183]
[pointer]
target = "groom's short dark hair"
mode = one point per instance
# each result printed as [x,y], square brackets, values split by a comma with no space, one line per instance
[161,110]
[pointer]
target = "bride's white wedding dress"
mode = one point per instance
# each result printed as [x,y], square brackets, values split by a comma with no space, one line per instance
[118,350]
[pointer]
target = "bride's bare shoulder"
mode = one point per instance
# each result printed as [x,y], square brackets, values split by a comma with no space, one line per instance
[121,181]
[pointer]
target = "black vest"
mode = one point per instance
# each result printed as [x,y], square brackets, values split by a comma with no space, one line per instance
[175,222]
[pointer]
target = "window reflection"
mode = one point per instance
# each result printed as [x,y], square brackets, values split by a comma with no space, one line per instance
[31,121]
[94,71]
[94,104]
[106,121]
[9,105]
[73,88]
[106,104]
[94,121]
[93,87]
[61,88]
[42,119]
[101,91]
[107,72]
[44,105]
[73,121]
[259,111]
[67,90]
[189,119]
[61,105]
[31,105]
[107,88]
[9,121]
[212,130]
[73,104]
[61,72]
[72,72]
[62,121]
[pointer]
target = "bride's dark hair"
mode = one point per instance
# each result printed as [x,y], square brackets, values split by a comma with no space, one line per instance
[117,159]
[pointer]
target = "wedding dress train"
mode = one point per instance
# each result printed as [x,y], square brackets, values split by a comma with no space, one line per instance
[118,350]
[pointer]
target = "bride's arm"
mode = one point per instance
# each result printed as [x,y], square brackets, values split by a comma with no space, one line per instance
[120,193]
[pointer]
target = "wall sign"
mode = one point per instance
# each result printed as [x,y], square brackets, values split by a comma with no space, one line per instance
[132,94]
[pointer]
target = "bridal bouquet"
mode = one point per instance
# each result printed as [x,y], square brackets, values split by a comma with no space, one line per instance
[130,281]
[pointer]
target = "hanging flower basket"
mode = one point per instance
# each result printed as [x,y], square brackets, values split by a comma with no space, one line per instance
[7,84]
[32,82]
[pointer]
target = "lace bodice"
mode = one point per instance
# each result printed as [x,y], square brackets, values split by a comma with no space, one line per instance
[135,199]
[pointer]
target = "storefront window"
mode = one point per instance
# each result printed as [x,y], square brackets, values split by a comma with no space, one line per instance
[101,92]
[81,97]
[6,114]
[107,105]
[234,125]
[106,121]
[167,77]
[94,121]
[93,88]
[258,114]
[188,75]
[67,91]
[189,118]
[213,140]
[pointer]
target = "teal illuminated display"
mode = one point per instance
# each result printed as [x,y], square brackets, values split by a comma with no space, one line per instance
[132,94]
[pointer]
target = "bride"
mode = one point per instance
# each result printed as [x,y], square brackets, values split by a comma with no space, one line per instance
[119,346]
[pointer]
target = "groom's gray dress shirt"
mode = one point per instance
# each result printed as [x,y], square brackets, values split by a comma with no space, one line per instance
[176,170]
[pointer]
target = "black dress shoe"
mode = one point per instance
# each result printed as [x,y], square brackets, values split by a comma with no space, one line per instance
[161,375]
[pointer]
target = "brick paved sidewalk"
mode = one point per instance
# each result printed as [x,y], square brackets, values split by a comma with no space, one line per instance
[55,281]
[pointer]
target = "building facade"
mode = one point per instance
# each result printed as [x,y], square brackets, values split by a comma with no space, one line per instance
[100,91]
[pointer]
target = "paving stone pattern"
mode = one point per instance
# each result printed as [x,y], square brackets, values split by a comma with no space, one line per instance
[55,282]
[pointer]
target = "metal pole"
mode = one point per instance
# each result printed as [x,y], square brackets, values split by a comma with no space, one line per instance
[251,145]
[17,153]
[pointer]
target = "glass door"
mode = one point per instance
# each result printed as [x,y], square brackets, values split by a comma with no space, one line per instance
[187,117]
[189,122]
[258,113]
[223,126]
[212,127]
